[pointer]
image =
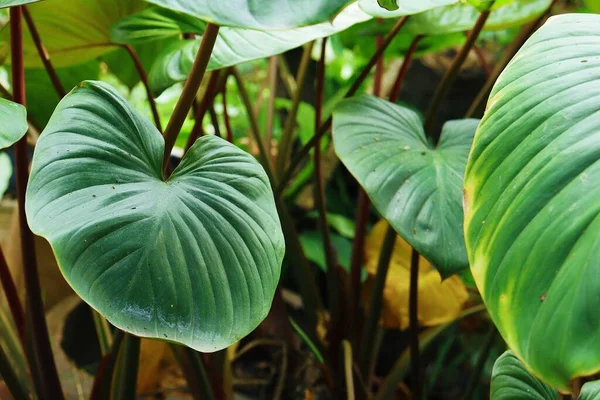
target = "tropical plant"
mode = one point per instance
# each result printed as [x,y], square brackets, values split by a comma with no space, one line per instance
[379,245]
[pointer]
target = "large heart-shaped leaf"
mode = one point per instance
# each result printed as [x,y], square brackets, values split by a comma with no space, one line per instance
[13,123]
[396,8]
[235,46]
[73,31]
[193,259]
[13,3]
[511,380]
[5,173]
[532,216]
[258,14]
[416,187]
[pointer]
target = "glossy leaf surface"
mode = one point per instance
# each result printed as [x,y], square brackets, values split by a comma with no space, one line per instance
[416,187]
[532,215]
[258,14]
[511,380]
[194,259]
[235,46]
[13,123]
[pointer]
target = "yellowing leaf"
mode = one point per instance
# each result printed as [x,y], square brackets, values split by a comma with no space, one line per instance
[439,302]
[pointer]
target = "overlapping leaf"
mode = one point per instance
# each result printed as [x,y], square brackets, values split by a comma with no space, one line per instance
[511,380]
[235,46]
[416,187]
[13,123]
[532,215]
[194,259]
[396,8]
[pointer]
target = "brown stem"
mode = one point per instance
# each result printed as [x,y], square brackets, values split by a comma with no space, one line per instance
[201,110]
[303,152]
[481,58]
[226,114]
[451,74]
[414,325]
[42,351]
[12,296]
[214,119]
[397,88]
[190,89]
[44,56]
[508,54]
[144,78]
[378,79]
[335,330]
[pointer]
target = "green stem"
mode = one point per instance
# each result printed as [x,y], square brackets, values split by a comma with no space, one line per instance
[305,150]
[273,80]
[483,356]
[12,296]
[42,351]
[376,301]
[102,331]
[348,373]
[451,74]
[10,378]
[254,126]
[102,386]
[44,56]
[193,367]
[144,78]
[414,325]
[287,138]
[125,385]
[190,89]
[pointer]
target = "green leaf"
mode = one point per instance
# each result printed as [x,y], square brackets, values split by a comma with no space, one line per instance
[397,8]
[487,5]
[258,14]
[73,31]
[13,3]
[590,391]
[461,17]
[235,46]
[155,23]
[511,380]
[312,243]
[417,188]
[593,5]
[5,173]
[13,123]
[194,259]
[532,215]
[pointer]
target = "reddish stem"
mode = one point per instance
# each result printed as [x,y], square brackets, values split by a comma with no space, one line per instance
[481,58]
[42,350]
[44,56]
[144,78]
[226,114]
[12,295]
[397,88]
[209,94]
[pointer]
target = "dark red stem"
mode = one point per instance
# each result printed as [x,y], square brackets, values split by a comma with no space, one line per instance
[44,56]
[209,94]
[397,88]
[226,114]
[12,296]
[144,78]
[42,350]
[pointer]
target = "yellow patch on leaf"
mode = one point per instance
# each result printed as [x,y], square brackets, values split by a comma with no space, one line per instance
[439,302]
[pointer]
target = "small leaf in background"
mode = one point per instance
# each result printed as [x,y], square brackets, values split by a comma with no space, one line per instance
[5,173]
[258,14]
[415,186]
[439,301]
[397,8]
[511,380]
[532,216]
[194,259]
[312,243]
[13,123]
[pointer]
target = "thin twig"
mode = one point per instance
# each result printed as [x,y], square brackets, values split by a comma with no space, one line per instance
[190,89]
[44,56]
[144,78]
